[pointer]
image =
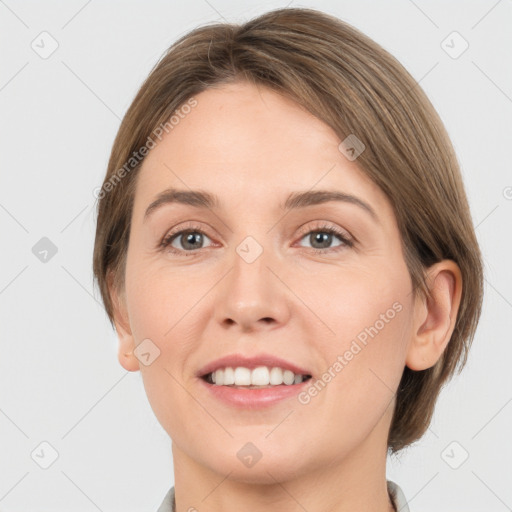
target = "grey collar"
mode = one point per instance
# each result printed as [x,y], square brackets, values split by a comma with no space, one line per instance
[396,494]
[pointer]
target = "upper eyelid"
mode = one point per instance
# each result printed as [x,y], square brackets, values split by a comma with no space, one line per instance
[303,228]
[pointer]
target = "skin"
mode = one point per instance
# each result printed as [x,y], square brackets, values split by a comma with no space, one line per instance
[251,147]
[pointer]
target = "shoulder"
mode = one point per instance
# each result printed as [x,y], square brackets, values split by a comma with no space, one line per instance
[397,496]
[168,502]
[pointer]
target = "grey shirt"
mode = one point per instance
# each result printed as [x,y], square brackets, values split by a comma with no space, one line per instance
[394,491]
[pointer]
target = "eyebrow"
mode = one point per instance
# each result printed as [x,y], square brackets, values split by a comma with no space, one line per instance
[296,200]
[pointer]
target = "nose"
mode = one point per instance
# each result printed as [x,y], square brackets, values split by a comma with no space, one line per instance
[252,296]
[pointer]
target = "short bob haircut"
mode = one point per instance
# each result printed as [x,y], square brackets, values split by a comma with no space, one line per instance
[352,84]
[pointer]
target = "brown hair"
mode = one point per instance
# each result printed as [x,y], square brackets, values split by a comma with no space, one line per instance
[356,87]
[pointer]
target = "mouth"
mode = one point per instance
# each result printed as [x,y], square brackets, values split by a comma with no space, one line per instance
[260,377]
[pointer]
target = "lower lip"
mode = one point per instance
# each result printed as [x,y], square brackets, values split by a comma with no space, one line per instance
[254,398]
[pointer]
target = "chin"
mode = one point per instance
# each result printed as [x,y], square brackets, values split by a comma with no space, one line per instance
[266,470]
[261,474]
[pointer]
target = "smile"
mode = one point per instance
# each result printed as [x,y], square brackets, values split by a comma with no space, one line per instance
[258,378]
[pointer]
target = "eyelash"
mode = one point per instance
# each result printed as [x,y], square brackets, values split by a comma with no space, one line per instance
[165,244]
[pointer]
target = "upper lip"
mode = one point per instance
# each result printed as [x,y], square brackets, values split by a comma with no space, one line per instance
[251,362]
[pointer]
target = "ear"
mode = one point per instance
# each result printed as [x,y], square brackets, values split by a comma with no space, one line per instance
[121,321]
[434,318]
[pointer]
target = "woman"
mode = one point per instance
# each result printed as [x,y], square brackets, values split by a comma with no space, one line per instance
[285,249]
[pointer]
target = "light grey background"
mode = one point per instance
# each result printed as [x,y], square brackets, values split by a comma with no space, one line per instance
[60,381]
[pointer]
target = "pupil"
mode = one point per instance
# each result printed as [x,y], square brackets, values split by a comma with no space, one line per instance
[322,237]
[191,238]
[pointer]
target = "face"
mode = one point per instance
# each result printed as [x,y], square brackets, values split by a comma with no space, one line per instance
[321,285]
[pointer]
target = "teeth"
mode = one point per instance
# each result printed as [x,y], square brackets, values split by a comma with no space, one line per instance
[229,376]
[288,377]
[260,376]
[219,377]
[242,376]
[276,376]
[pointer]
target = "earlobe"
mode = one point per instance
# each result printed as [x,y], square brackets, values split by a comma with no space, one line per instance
[434,317]
[124,334]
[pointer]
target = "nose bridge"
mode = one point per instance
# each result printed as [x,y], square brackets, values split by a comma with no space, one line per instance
[251,293]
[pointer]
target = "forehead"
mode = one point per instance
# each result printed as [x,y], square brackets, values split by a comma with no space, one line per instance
[243,141]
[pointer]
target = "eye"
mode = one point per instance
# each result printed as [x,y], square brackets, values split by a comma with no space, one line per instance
[191,239]
[322,237]
[188,240]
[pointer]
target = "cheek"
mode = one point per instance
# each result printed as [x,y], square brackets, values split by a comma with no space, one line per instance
[159,306]
[370,314]
[352,302]
[157,299]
